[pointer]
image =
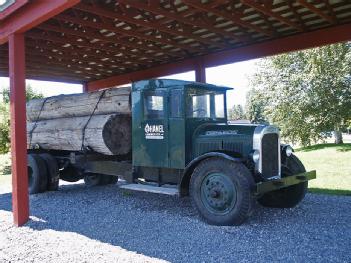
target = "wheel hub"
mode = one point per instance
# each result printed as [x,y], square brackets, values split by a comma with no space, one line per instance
[218,193]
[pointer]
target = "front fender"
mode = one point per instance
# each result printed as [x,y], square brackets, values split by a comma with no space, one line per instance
[185,179]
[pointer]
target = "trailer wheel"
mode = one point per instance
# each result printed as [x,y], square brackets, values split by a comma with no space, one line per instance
[221,190]
[37,174]
[289,196]
[52,171]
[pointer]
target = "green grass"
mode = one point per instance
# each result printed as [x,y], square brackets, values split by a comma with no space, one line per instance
[333,165]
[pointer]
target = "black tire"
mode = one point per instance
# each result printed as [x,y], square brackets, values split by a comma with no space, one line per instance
[91,179]
[52,171]
[227,201]
[70,174]
[108,179]
[289,196]
[37,174]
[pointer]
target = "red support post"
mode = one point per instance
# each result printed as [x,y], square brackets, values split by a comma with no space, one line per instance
[85,87]
[20,199]
[200,73]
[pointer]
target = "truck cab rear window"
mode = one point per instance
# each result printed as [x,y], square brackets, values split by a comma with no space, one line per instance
[153,107]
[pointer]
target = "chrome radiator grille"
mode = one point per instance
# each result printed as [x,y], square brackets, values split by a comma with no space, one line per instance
[270,155]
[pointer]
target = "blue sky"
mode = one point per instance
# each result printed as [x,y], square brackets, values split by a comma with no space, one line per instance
[232,75]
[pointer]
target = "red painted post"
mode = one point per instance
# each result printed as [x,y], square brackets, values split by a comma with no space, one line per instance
[200,73]
[85,87]
[20,199]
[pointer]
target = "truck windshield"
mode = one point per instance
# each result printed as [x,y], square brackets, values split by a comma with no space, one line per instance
[207,105]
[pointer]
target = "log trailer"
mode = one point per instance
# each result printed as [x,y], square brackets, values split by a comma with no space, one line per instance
[182,144]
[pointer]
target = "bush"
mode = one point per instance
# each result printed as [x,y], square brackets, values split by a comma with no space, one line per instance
[5,115]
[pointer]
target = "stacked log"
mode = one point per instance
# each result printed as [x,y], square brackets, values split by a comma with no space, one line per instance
[97,121]
[116,100]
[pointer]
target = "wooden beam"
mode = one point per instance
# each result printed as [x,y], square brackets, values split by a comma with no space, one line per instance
[31,15]
[231,17]
[131,33]
[20,199]
[158,10]
[101,49]
[141,22]
[316,11]
[270,13]
[161,70]
[272,47]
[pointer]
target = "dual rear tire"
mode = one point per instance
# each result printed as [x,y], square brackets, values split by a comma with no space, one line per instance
[43,173]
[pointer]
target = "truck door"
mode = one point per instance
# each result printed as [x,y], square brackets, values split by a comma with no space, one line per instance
[153,151]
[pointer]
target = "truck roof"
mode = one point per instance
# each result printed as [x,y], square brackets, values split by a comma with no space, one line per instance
[173,83]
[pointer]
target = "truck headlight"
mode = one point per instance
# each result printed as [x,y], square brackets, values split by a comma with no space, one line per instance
[255,156]
[288,150]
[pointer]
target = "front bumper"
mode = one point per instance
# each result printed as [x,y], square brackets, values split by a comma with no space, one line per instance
[275,184]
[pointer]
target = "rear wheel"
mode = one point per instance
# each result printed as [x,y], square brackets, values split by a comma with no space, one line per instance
[52,171]
[37,174]
[221,190]
[289,196]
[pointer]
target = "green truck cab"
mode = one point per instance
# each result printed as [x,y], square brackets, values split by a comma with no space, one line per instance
[183,144]
[181,136]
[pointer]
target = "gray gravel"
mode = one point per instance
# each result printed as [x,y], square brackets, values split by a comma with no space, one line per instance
[106,224]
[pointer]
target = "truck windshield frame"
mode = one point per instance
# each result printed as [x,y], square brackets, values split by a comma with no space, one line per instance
[205,104]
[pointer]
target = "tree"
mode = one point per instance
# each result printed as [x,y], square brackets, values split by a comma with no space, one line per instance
[306,93]
[255,107]
[5,115]
[236,113]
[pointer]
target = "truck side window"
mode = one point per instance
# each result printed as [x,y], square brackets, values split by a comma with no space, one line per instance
[219,105]
[153,107]
[176,103]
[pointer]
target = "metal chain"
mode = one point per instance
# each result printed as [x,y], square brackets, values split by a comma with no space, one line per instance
[91,115]
[36,122]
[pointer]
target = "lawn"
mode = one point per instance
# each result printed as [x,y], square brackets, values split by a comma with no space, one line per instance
[332,162]
[333,165]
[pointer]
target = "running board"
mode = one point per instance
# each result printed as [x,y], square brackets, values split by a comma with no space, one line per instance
[150,189]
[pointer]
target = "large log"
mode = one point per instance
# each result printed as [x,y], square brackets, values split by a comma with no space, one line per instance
[115,100]
[106,134]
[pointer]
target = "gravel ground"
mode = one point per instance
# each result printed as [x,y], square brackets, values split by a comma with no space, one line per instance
[106,224]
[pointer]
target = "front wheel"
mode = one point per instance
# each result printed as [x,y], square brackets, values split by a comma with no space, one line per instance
[221,190]
[289,196]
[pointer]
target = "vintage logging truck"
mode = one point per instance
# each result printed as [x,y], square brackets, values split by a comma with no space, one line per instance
[176,141]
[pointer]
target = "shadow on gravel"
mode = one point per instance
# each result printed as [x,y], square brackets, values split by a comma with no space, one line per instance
[168,227]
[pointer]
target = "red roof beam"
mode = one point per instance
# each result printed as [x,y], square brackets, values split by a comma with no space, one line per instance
[156,8]
[31,15]
[273,47]
[317,11]
[110,27]
[269,12]
[234,18]
[140,22]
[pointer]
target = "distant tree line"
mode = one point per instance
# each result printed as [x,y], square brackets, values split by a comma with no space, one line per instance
[306,93]
[5,115]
